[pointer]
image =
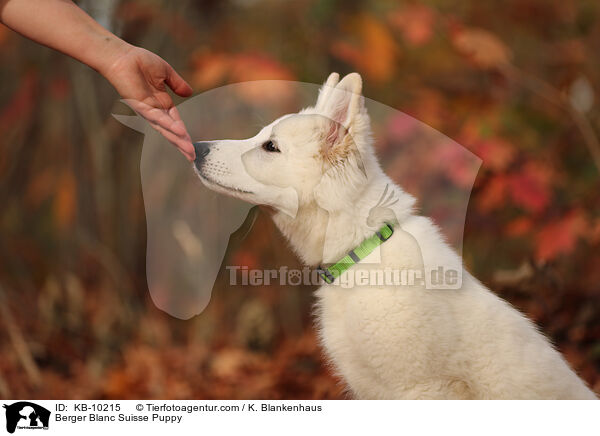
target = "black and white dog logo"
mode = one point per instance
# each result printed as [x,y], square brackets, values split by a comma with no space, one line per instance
[26,415]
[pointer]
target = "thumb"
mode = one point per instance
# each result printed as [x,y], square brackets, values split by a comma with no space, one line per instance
[177,84]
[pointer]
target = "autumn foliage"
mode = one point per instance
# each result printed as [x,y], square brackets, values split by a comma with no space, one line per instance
[516,85]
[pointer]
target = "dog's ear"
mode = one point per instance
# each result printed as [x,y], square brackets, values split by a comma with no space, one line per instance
[345,100]
[340,106]
[340,100]
[345,175]
[326,89]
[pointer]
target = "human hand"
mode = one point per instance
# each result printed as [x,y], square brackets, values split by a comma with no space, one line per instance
[141,78]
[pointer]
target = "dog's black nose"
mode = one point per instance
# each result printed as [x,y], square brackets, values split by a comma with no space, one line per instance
[202,149]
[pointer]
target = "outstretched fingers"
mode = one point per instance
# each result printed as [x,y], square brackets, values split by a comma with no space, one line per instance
[184,145]
[167,122]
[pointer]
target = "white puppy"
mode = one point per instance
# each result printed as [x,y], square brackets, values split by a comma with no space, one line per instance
[318,173]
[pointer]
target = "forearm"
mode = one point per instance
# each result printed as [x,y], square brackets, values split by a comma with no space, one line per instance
[61,25]
[139,76]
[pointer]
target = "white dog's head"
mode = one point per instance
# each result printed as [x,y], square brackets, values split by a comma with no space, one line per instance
[314,155]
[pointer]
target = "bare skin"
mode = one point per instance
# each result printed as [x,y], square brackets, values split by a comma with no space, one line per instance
[138,75]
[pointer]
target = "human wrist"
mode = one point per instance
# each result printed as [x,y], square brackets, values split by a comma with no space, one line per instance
[109,50]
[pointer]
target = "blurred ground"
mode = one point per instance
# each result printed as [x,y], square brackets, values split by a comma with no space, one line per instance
[516,85]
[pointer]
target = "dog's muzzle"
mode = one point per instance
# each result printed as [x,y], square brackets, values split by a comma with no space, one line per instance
[202,149]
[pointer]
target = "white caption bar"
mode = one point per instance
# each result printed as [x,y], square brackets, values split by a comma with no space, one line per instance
[297,417]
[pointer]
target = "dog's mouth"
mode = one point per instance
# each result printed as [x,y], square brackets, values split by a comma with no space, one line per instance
[211,181]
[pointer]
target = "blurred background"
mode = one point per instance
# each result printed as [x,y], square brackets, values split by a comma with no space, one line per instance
[517,85]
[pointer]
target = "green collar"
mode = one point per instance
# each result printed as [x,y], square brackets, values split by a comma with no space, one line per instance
[354,256]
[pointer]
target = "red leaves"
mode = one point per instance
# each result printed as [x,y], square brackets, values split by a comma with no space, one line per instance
[415,23]
[537,198]
[456,165]
[560,235]
[528,188]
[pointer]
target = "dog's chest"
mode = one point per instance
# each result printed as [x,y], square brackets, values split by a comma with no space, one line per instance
[362,330]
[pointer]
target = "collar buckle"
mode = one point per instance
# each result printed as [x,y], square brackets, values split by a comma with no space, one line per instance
[354,256]
[325,274]
[388,235]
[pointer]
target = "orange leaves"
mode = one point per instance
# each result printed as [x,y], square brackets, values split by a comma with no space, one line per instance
[496,153]
[210,69]
[258,66]
[493,194]
[371,49]
[213,69]
[65,202]
[519,226]
[482,48]
[61,188]
[293,369]
[560,236]
[415,23]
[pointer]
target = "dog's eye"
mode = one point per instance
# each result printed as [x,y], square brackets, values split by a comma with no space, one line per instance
[270,147]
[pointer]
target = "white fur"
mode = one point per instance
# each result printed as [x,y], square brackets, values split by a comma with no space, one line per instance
[385,342]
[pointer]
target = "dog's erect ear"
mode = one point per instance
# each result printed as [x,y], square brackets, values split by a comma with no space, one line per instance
[341,101]
[340,105]
[345,101]
[326,89]
[345,177]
